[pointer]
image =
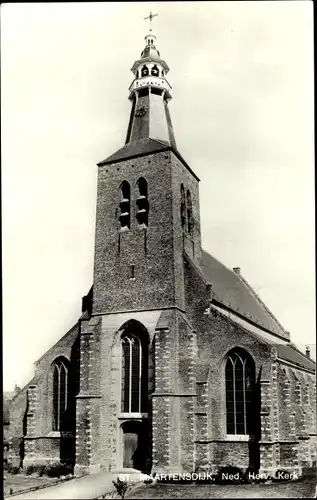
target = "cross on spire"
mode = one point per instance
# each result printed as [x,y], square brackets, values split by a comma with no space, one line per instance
[150,17]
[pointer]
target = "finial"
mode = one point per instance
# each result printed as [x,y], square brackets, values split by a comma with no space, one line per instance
[308,352]
[150,17]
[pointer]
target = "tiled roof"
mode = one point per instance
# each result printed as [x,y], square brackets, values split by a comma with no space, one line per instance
[285,349]
[136,148]
[234,293]
[292,354]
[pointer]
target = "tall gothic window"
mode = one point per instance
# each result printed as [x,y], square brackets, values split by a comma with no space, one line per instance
[125,208]
[134,371]
[183,207]
[60,394]
[240,381]
[142,212]
[190,219]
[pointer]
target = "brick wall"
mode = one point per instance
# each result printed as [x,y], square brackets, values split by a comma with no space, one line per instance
[156,252]
[149,250]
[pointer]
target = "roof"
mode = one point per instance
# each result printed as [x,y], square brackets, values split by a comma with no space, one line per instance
[143,147]
[150,51]
[137,148]
[290,353]
[232,291]
[285,350]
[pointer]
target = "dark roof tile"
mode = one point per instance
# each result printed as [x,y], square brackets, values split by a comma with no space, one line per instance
[292,354]
[136,148]
[232,291]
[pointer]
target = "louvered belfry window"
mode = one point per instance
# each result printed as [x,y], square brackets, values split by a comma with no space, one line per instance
[144,71]
[142,202]
[240,379]
[155,71]
[133,374]
[125,205]
[60,394]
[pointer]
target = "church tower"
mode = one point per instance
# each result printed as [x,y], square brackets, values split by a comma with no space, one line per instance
[147,203]
[136,380]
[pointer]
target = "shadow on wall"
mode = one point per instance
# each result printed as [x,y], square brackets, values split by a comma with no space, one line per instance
[255,426]
[68,425]
[24,432]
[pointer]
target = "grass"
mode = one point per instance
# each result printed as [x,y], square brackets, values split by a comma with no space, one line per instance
[21,482]
[302,488]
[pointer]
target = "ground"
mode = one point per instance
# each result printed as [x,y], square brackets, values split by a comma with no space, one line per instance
[303,488]
[19,482]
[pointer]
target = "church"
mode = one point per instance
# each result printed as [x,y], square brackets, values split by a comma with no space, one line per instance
[175,365]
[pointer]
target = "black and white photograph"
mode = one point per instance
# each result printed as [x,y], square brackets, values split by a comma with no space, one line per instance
[158,250]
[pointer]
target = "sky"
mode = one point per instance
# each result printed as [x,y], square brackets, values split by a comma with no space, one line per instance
[242,111]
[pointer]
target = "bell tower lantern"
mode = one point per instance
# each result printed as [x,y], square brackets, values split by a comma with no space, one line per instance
[149,94]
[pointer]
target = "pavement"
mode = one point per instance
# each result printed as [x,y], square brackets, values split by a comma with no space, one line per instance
[85,487]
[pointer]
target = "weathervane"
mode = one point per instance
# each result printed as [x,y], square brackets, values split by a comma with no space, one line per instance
[150,17]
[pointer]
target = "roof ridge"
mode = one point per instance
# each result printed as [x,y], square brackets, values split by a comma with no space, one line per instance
[261,302]
[268,322]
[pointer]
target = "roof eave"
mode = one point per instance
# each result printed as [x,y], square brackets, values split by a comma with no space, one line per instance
[108,160]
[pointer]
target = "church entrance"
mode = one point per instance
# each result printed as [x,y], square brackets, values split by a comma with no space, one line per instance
[135,445]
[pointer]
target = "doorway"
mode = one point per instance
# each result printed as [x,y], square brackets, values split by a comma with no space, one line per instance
[136,445]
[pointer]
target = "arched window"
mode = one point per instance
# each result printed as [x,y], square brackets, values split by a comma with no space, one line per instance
[125,205]
[155,71]
[145,71]
[240,382]
[142,212]
[134,371]
[190,219]
[60,394]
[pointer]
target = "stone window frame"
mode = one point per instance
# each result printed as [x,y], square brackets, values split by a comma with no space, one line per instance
[62,360]
[136,329]
[125,206]
[241,436]
[142,203]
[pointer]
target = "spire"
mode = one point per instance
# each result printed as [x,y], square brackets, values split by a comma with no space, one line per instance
[150,93]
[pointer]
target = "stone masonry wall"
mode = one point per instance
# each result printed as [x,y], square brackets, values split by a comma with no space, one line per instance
[149,250]
[88,399]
